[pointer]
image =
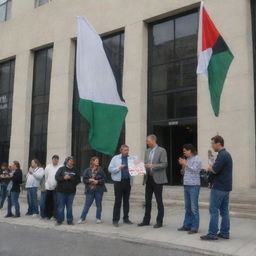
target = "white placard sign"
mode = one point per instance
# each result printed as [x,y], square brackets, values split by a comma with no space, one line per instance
[136,168]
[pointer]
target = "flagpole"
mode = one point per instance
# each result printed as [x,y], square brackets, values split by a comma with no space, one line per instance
[200,23]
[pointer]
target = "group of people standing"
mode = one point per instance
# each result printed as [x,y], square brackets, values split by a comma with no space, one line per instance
[58,187]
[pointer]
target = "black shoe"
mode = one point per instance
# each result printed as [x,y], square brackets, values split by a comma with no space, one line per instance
[128,222]
[28,214]
[208,238]
[157,226]
[16,216]
[9,215]
[142,224]
[183,229]
[115,224]
[191,232]
[58,223]
[223,237]
[70,223]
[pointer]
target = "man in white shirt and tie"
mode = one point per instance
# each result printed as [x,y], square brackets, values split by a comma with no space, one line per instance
[155,163]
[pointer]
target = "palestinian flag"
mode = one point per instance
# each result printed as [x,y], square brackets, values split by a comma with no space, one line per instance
[100,103]
[214,59]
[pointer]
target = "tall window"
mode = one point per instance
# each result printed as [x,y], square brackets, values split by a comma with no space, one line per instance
[5,10]
[172,68]
[6,92]
[40,104]
[114,48]
[41,2]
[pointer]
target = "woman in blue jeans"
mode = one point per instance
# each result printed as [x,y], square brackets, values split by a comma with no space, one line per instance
[94,180]
[191,167]
[13,190]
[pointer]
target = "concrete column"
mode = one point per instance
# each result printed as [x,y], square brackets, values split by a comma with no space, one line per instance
[135,86]
[61,99]
[236,120]
[21,109]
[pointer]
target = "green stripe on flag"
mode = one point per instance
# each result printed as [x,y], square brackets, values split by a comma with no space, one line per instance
[217,72]
[106,123]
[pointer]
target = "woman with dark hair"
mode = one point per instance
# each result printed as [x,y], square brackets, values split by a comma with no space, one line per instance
[94,180]
[67,177]
[191,167]
[34,177]
[13,189]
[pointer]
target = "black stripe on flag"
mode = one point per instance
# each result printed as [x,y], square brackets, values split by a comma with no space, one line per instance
[219,46]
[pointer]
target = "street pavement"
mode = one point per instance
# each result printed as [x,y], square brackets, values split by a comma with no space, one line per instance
[117,240]
[22,241]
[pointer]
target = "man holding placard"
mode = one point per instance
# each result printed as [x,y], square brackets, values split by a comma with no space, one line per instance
[119,169]
[155,163]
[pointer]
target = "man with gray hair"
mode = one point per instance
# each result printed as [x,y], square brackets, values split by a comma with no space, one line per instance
[155,163]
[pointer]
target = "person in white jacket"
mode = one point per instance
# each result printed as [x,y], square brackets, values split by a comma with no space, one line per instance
[50,185]
[119,169]
[34,177]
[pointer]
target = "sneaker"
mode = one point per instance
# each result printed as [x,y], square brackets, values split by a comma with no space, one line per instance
[208,238]
[35,215]
[52,219]
[192,232]
[222,236]
[183,229]
[98,221]
[81,221]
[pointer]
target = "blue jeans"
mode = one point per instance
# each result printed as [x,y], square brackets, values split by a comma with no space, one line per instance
[32,201]
[65,200]
[219,204]
[191,195]
[90,196]
[42,204]
[3,194]
[13,200]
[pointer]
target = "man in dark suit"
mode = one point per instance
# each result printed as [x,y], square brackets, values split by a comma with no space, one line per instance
[155,163]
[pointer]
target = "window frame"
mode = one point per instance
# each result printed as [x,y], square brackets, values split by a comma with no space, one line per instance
[7,14]
[34,107]
[151,92]
[37,3]
[9,93]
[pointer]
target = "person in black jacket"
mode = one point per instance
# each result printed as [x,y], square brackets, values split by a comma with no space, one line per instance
[13,189]
[67,178]
[221,186]
[94,180]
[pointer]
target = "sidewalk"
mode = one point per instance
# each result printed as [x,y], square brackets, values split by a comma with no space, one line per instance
[242,242]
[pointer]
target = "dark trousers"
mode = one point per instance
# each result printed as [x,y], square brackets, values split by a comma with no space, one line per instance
[50,204]
[122,192]
[3,194]
[157,189]
[42,204]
